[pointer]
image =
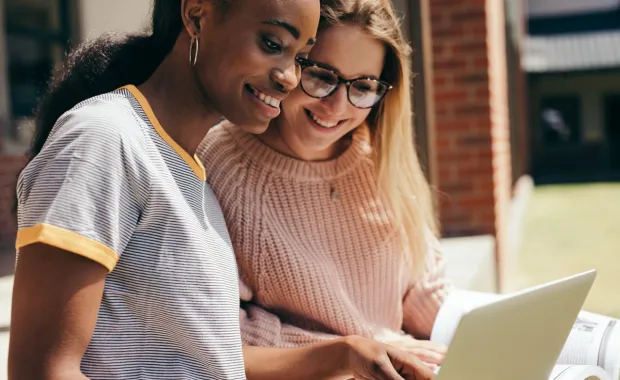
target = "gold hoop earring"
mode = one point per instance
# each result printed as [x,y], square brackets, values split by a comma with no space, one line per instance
[193,51]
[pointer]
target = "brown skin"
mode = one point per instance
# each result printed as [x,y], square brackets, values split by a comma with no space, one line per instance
[56,298]
[57,294]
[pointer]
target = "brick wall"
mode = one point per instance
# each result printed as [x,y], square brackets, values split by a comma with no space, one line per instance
[9,167]
[472,146]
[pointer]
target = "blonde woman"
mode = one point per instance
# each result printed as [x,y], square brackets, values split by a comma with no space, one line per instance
[329,212]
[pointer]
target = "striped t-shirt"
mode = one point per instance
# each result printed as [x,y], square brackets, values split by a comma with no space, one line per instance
[111,185]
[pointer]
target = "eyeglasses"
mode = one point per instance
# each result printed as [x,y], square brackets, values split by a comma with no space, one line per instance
[319,81]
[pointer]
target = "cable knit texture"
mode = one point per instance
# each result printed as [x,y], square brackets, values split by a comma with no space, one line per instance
[313,268]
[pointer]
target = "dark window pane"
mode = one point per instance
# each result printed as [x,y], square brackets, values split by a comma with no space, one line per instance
[33,15]
[561,119]
[31,62]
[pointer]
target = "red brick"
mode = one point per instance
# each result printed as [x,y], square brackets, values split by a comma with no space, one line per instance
[482,140]
[472,48]
[448,31]
[479,123]
[473,109]
[480,77]
[440,81]
[472,146]
[481,63]
[449,64]
[484,156]
[455,95]
[451,126]
[445,82]
[446,173]
[482,93]
[459,220]
[473,174]
[487,217]
[474,14]
[445,142]
[475,201]
[438,19]
[442,110]
[458,156]
[486,186]
[446,4]
[478,31]
[10,166]
[441,51]
[457,186]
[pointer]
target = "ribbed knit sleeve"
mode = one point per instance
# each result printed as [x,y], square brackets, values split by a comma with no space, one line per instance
[259,327]
[423,300]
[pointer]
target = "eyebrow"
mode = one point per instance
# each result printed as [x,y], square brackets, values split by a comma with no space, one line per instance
[332,68]
[327,66]
[289,28]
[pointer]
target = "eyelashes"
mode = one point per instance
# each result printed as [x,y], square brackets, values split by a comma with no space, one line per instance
[270,46]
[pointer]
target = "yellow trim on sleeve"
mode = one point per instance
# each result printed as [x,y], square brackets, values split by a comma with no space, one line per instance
[69,241]
[194,163]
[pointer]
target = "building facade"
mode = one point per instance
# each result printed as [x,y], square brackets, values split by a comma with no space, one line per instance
[573,65]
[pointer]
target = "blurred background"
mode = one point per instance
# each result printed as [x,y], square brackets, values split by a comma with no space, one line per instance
[517,117]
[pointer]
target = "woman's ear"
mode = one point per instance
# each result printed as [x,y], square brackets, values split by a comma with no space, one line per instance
[193,13]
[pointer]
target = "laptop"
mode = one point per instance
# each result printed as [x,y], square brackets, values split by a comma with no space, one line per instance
[518,337]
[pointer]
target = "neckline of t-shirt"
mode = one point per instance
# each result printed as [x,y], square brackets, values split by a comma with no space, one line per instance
[193,162]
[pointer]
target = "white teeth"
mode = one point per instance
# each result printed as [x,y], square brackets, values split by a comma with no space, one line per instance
[268,100]
[323,123]
[274,102]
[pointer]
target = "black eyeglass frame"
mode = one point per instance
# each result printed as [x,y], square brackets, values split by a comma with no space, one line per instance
[304,63]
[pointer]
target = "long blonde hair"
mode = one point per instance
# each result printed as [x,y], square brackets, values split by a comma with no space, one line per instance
[401,181]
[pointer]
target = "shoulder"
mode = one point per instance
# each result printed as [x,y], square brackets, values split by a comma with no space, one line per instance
[223,134]
[105,119]
[102,133]
[220,144]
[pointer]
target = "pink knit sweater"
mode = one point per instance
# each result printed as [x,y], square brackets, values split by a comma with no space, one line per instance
[312,268]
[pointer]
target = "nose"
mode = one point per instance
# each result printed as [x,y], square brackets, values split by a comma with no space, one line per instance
[336,103]
[287,78]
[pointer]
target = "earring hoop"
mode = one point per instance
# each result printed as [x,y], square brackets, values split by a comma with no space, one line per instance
[193,51]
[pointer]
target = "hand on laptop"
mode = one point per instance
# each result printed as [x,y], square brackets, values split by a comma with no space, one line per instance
[369,359]
[432,354]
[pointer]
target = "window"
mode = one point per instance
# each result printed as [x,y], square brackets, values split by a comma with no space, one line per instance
[37,36]
[560,119]
[545,8]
